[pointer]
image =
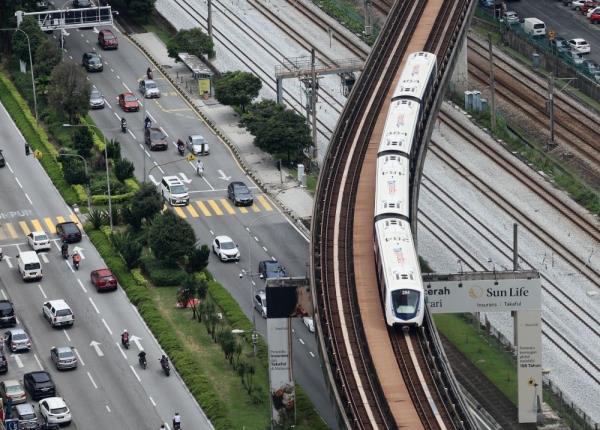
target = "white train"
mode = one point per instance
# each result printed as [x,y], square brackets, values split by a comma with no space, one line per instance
[398,271]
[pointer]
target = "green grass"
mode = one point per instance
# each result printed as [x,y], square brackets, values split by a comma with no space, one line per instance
[311,179]
[482,350]
[157,26]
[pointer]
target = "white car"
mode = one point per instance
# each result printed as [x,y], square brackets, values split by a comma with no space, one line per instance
[309,323]
[197,145]
[149,88]
[38,240]
[592,10]
[54,410]
[578,4]
[511,17]
[579,45]
[226,249]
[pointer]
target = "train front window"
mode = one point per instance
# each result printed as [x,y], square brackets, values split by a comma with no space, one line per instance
[405,303]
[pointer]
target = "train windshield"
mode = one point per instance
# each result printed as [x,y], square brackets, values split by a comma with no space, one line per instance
[405,303]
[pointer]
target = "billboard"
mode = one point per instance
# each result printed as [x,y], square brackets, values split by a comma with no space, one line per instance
[482,292]
[281,378]
[529,364]
[288,298]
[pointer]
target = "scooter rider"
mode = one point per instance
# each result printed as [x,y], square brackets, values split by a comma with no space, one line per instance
[149,73]
[76,259]
[199,167]
[142,358]
[125,338]
[123,125]
[147,122]
[176,421]
[180,146]
[164,361]
[64,248]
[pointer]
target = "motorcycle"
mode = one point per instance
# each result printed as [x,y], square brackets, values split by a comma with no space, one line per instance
[125,342]
[1,254]
[165,367]
[76,261]
[176,425]
[200,171]
[65,253]
[142,361]
[181,150]
[149,73]
[124,126]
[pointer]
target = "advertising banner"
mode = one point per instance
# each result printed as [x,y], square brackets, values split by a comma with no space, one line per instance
[282,390]
[529,364]
[482,292]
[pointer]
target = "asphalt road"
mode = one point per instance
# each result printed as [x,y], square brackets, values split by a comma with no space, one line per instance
[261,231]
[567,22]
[108,389]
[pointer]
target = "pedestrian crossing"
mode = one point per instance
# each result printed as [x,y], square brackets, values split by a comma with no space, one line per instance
[20,228]
[220,207]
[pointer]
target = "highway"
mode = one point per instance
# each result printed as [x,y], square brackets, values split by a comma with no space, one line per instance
[108,387]
[261,231]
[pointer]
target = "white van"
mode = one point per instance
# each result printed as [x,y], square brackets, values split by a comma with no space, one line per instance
[534,27]
[29,265]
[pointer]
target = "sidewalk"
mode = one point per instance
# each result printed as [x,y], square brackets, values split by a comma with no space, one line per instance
[294,200]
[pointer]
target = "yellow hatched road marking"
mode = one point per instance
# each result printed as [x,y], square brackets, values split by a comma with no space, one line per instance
[75,219]
[215,207]
[227,206]
[24,227]
[37,225]
[50,225]
[180,212]
[2,235]
[60,219]
[203,208]
[255,207]
[265,203]
[11,230]
[192,211]
[243,210]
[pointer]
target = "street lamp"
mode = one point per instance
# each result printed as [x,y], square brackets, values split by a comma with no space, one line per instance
[87,178]
[30,67]
[110,217]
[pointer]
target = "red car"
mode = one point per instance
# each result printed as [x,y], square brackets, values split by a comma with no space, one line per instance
[129,102]
[595,18]
[107,39]
[103,279]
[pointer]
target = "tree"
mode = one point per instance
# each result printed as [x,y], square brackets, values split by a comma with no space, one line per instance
[257,114]
[197,259]
[193,41]
[19,41]
[74,170]
[188,292]
[137,10]
[83,141]
[284,135]
[47,56]
[237,88]
[69,90]
[113,149]
[145,204]
[170,237]
[128,246]
[124,169]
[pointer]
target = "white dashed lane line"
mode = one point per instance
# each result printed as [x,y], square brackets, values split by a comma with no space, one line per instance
[81,285]
[42,291]
[94,305]
[66,335]
[92,379]
[107,327]
[311,354]
[135,373]
[79,357]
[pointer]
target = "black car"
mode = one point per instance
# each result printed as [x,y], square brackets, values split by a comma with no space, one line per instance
[39,385]
[68,232]
[2,160]
[268,269]
[7,314]
[240,194]
[92,62]
[3,363]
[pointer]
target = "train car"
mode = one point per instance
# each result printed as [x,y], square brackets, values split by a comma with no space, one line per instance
[398,273]
[400,125]
[392,186]
[417,77]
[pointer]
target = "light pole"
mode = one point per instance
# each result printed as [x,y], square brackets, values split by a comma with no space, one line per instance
[30,67]
[110,217]
[87,178]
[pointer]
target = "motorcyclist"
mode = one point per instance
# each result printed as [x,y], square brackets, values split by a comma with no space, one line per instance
[123,125]
[64,248]
[164,361]
[147,122]
[125,337]
[180,146]
[142,357]
[176,421]
[199,167]
[149,73]
[76,259]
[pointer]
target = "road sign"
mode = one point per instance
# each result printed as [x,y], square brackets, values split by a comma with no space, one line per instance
[191,157]
[38,154]
[551,34]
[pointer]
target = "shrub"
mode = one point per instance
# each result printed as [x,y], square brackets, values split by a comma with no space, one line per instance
[82,141]
[113,149]
[97,218]
[161,273]
[197,259]
[123,169]
[74,171]
[81,193]
[139,278]
[129,248]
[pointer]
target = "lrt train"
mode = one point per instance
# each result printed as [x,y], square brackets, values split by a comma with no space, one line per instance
[398,271]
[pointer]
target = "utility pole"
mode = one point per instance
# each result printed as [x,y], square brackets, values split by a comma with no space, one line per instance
[313,100]
[209,20]
[368,25]
[492,85]
[551,109]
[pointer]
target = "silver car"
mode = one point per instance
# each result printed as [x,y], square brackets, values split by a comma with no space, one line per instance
[17,340]
[63,357]
[96,99]
[149,88]
[26,416]
[197,145]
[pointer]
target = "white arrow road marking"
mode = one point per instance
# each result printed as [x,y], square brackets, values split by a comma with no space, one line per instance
[223,175]
[44,257]
[96,346]
[154,181]
[79,250]
[3,294]
[92,379]
[17,360]
[8,262]
[96,30]
[136,340]
[184,178]
[43,294]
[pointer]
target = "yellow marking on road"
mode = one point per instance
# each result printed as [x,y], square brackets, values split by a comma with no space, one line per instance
[215,207]
[227,206]
[203,208]
[75,219]
[2,235]
[60,219]
[265,203]
[180,212]
[24,227]
[243,210]
[192,211]
[11,230]
[50,225]
[255,207]
[37,226]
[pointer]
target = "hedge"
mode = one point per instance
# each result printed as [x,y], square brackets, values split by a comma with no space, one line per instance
[186,363]
[35,136]
[162,274]
[102,199]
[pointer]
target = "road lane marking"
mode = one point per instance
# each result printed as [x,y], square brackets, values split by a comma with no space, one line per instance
[43,294]
[75,219]
[152,401]
[81,285]
[107,327]
[11,230]
[135,373]
[203,208]
[265,249]
[37,225]
[215,207]
[3,294]
[227,206]
[265,203]
[126,87]
[92,379]
[311,354]
[50,225]
[109,105]
[44,257]
[28,199]
[180,212]
[24,227]
[131,132]
[153,120]
[256,239]
[18,182]
[163,130]
[94,305]
[108,408]
[243,210]
[60,219]
[121,350]
[79,357]
[192,211]
[301,341]
[18,360]
[38,362]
